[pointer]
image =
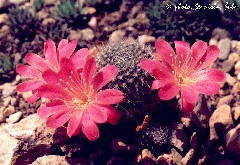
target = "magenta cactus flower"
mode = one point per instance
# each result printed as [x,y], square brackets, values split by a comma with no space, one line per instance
[77,98]
[185,71]
[37,65]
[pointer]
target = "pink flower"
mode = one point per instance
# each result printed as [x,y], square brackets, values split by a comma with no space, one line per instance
[185,71]
[77,98]
[38,65]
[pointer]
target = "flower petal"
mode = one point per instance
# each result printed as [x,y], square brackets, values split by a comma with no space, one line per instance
[36,61]
[209,57]
[51,54]
[97,113]
[109,96]
[51,108]
[50,76]
[53,92]
[207,87]
[58,119]
[165,50]
[198,50]
[169,91]
[163,75]
[33,98]
[112,115]
[74,125]
[182,50]
[149,65]
[66,49]
[159,83]
[79,58]
[105,75]
[27,71]
[186,106]
[189,94]
[90,129]
[211,74]
[29,85]
[88,71]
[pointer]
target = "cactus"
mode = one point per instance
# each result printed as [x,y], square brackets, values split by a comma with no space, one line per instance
[23,24]
[7,67]
[53,30]
[109,5]
[38,4]
[181,24]
[135,83]
[155,138]
[73,12]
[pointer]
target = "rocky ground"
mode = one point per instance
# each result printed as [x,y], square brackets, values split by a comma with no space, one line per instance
[208,135]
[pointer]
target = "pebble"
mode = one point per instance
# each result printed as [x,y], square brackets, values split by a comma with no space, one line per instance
[236,88]
[13,118]
[232,140]
[146,38]
[93,22]
[7,111]
[220,33]
[225,100]
[51,159]
[179,138]
[117,36]
[235,46]
[225,46]
[7,101]
[165,159]
[147,154]
[47,21]
[236,113]
[26,95]
[75,35]
[230,80]
[237,68]
[7,89]
[3,18]
[227,65]
[220,122]
[118,146]
[238,76]
[87,34]
[13,101]
[17,2]
[213,41]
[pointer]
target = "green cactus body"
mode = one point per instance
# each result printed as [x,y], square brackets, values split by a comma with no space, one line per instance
[23,24]
[135,83]
[73,13]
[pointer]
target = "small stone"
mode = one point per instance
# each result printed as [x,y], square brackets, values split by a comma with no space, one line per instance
[7,89]
[17,2]
[117,36]
[176,156]
[75,35]
[93,22]
[220,33]
[232,140]
[220,122]
[3,18]
[179,138]
[227,65]
[237,68]
[48,21]
[13,101]
[213,41]
[225,100]
[7,111]
[51,2]
[166,159]
[238,76]
[147,154]
[225,46]
[235,46]
[188,158]
[13,118]
[91,10]
[236,113]
[230,80]
[118,146]
[6,101]
[3,3]
[236,88]
[26,95]
[145,38]
[50,159]
[87,34]
[234,57]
